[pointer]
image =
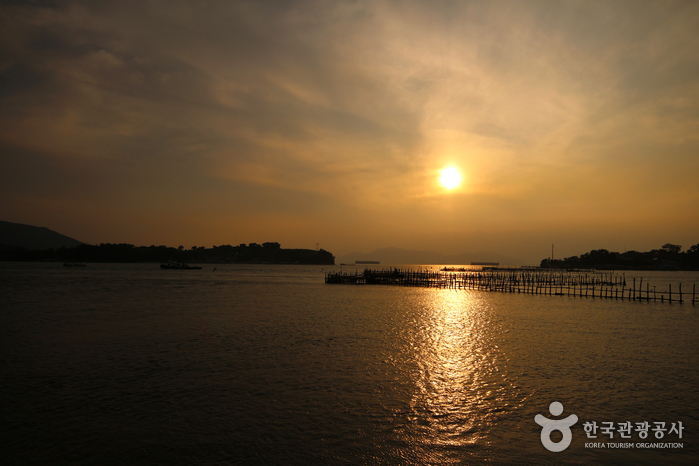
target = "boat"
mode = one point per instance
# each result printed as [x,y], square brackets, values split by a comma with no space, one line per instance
[178,266]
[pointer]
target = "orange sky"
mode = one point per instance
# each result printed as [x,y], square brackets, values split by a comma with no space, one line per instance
[219,122]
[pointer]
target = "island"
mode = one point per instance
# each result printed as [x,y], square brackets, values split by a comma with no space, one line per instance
[668,257]
[253,253]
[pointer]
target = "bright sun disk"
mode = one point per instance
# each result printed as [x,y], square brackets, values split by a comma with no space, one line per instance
[451,178]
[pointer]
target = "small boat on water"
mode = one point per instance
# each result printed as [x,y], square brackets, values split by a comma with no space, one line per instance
[178,266]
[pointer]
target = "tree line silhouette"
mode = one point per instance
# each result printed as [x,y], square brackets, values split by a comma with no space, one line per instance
[668,257]
[122,252]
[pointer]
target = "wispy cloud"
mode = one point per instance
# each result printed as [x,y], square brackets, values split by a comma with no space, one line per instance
[332,113]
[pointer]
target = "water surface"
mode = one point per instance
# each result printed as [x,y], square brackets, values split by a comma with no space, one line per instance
[264,364]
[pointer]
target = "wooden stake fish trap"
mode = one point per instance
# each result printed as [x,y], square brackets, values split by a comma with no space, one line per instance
[575,283]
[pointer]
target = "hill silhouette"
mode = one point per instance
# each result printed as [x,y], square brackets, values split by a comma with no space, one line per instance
[668,257]
[18,235]
[395,256]
[28,243]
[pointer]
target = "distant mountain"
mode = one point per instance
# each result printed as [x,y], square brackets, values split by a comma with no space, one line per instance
[17,235]
[395,256]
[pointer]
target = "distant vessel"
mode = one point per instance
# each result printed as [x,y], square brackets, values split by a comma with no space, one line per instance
[367,262]
[178,266]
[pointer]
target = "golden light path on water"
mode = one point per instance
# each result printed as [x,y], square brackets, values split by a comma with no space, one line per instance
[462,387]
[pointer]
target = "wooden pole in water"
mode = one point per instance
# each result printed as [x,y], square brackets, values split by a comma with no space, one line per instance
[536,283]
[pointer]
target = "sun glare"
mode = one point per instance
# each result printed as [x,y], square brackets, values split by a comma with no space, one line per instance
[451,178]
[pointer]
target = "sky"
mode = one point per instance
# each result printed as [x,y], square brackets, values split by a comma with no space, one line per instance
[573,123]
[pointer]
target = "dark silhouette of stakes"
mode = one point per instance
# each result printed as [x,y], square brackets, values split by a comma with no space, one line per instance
[580,283]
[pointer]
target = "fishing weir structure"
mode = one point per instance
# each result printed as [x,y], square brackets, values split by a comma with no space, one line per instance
[536,281]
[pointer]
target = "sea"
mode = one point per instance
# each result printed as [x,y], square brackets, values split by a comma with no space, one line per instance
[128,364]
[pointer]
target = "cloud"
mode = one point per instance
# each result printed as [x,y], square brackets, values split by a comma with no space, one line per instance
[351,108]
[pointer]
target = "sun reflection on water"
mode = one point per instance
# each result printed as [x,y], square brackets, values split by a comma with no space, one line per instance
[461,381]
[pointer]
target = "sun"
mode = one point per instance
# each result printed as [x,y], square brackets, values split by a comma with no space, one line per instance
[451,178]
